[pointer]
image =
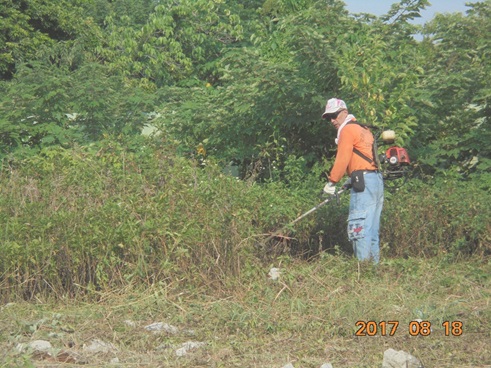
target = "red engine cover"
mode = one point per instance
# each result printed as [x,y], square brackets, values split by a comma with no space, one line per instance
[399,153]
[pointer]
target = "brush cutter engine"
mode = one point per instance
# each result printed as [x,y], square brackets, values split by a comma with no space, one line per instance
[395,163]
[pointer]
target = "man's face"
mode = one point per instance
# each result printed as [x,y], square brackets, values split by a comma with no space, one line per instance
[337,118]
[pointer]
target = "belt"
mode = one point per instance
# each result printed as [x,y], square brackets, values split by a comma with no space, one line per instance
[370,171]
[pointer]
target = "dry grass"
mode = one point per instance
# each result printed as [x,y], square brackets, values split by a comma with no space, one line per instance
[307,317]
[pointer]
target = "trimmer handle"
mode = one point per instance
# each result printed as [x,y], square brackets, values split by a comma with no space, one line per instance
[347,184]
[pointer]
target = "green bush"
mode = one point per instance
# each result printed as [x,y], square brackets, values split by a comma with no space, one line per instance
[92,219]
[420,219]
[46,106]
[445,216]
[115,214]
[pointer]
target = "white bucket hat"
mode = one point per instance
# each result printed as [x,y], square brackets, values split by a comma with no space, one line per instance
[334,105]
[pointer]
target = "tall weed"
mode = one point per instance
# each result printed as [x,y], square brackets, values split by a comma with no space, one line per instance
[443,217]
[86,220]
[83,220]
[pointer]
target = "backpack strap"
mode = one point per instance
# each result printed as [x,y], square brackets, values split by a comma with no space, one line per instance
[362,124]
[366,158]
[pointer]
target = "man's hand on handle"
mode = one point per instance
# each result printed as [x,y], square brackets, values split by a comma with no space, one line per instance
[330,188]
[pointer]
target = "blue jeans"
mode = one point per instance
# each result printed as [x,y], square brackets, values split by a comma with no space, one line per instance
[364,218]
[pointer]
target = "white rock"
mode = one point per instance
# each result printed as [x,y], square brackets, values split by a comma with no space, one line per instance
[99,346]
[129,323]
[400,359]
[157,326]
[40,345]
[160,326]
[274,273]
[170,329]
[188,346]
[326,365]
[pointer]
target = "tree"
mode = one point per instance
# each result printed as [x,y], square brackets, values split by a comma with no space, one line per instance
[179,42]
[457,136]
[119,10]
[268,99]
[379,65]
[46,105]
[28,25]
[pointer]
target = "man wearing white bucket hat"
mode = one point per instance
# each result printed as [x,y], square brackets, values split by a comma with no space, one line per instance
[355,156]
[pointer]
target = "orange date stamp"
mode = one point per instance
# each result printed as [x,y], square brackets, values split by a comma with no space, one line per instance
[415,328]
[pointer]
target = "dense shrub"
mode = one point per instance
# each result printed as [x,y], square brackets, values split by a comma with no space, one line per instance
[102,217]
[444,216]
[420,219]
[92,219]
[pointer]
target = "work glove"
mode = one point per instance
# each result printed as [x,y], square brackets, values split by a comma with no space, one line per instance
[330,188]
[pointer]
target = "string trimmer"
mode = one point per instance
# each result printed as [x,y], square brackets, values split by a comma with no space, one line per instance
[346,186]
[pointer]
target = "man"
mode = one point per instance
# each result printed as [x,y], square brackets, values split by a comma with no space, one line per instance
[355,156]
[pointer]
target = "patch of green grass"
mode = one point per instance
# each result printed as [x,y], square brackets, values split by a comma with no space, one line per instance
[309,316]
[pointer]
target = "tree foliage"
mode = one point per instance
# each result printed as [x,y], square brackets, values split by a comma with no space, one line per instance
[246,80]
[45,105]
[264,109]
[28,25]
[177,42]
[457,50]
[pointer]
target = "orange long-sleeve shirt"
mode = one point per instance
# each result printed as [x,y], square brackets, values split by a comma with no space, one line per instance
[352,136]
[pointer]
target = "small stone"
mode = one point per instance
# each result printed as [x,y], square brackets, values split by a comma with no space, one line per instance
[187,347]
[160,326]
[400,359]
[40,345]
[274,273]
[129,323]
[99,346]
